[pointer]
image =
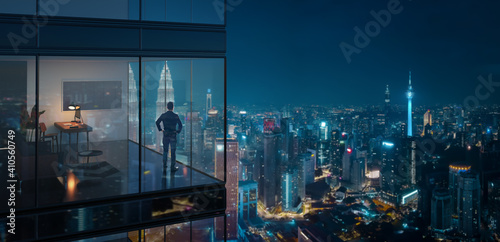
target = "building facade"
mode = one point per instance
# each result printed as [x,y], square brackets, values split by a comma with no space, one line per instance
[112,67]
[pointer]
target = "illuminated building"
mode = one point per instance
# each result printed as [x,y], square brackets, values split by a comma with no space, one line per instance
[441,209]
[358,167]
[247,201]
[404,130]
[232,160]
[380,124]
[271,168]
[314,157]
[286,144]
[469,204]
[213,119]
[243,120]
[413,163]
[346,165]
[290,191]
[246,168]
[269,125]
[309,161]
[133,116]
[427,123]
[387,100]
[208,104]
[409,95]
[323,153]
[373,177]
[389,167]
[165,93]
[408,196]
[323,131]
[454,171]
[335,149]
[196,145]
[494,204]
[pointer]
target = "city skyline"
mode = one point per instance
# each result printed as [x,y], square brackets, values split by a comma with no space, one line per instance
[295,120]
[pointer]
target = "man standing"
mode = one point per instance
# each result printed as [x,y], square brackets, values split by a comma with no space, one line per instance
[170,121]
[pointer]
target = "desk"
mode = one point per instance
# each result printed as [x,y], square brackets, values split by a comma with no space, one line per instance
[65,127]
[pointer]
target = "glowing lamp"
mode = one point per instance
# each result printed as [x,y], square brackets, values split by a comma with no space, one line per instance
[78,113]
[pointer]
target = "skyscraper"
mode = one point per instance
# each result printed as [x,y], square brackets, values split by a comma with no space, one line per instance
[494,204]
[208,104]
[389,166]
[469,204]
[454,171]
[323,131]
[247,202]
[427,122]
[165,95]
[346,165]
[358,170]
[387,99]
[270,170]
[195,133]
[243,116]
[409,95]
[441,209]
[290,190]
[309,161]
[387,109]
[133,107]
[232,160]
[413,163]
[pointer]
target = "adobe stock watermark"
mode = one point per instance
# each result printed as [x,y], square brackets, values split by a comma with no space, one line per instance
[47,8]
[219,7]
[372,29]
[482,92]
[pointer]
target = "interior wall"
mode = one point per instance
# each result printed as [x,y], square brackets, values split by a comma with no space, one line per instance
[107,124]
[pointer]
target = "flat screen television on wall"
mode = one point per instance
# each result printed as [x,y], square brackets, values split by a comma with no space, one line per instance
[92,95]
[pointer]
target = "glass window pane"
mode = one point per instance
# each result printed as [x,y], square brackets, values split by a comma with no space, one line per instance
[18,130]
[208,103]
[18,6]
[184,11]
[175,232]
[91,115]
[112,9]
[179,11]
[165,81]
[169,80]
[154,10]
[208,11]
[203,230]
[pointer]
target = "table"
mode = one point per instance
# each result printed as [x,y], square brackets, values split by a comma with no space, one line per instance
[70,128]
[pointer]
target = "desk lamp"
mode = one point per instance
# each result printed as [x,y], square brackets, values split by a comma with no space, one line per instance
[78,113]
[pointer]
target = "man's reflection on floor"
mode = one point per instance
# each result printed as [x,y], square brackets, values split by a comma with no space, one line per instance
[167,180]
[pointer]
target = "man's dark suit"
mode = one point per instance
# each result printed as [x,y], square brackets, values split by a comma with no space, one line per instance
[172,125]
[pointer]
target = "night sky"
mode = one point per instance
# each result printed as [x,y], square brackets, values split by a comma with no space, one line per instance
[287,51]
